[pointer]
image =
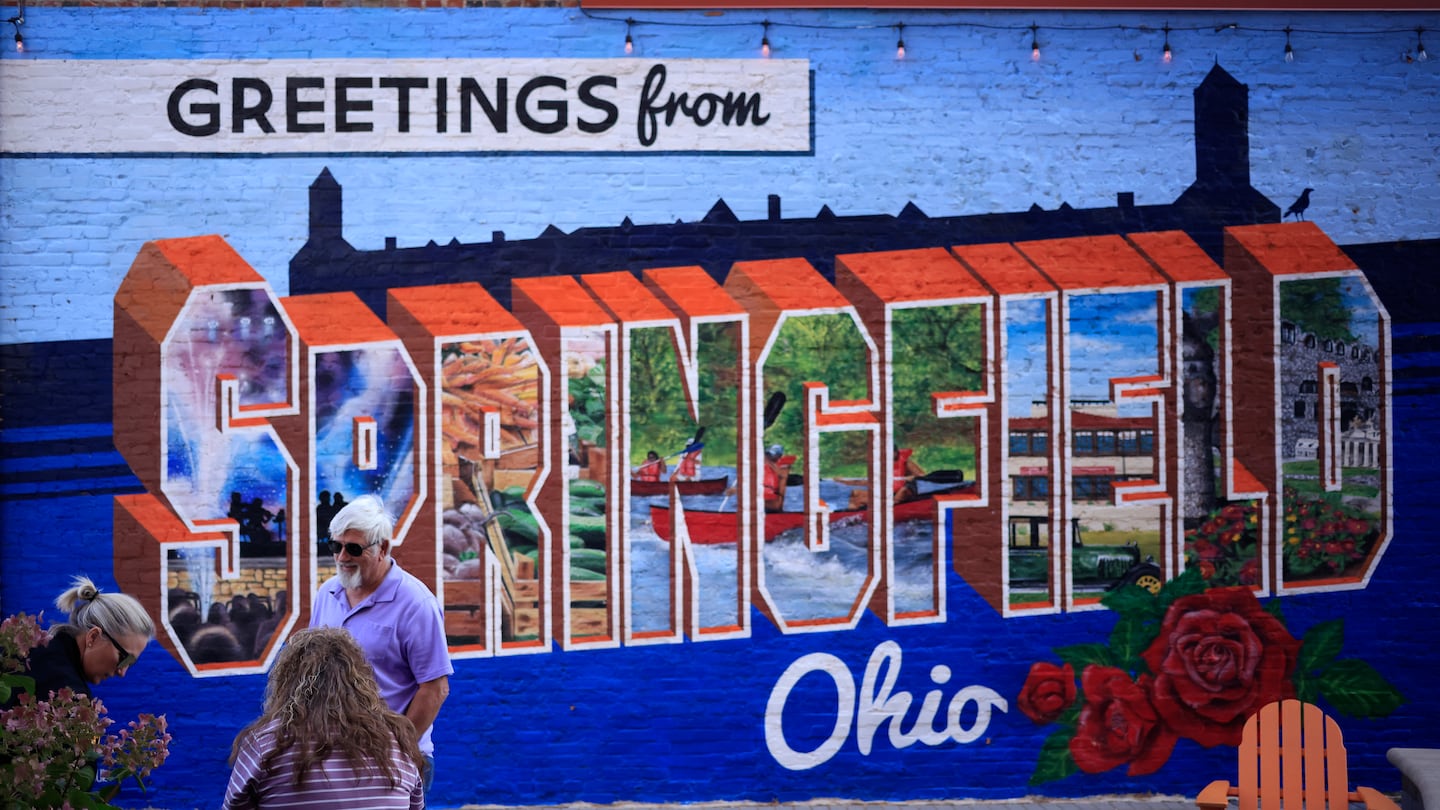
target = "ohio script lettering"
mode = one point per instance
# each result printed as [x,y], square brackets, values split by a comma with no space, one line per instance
[877,703]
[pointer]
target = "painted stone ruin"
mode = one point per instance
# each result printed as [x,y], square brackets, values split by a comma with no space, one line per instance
[619,458]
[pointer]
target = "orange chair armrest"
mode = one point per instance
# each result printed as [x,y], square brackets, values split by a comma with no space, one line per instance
[1374,799]
[1215,796]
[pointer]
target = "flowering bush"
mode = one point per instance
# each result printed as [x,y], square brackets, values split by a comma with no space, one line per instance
[1224,546]
[1191,662]
[1322,538]
[51,748]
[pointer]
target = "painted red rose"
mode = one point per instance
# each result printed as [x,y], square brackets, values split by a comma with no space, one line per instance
[1119,725]
[1048,692]
[1218,658]
[1204,550]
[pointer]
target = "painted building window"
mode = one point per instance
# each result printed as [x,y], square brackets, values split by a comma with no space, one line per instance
[1029,443]
[1031,487]
[1105,442]
[1114,442]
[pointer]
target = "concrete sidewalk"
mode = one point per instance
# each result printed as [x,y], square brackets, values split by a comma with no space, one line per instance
[1130,802]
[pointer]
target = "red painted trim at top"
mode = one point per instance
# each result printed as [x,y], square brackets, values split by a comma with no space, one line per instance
[1057,5]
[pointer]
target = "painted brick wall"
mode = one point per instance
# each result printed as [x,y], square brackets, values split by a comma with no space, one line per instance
[962,160]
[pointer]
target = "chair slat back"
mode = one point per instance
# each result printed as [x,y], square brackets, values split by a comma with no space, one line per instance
[1337,769]
[1292,756]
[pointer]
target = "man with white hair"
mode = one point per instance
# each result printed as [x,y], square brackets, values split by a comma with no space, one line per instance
[393,616]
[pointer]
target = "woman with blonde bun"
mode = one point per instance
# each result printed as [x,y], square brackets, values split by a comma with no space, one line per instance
[105,634]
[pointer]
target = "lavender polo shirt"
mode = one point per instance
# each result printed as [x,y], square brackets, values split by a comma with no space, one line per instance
[401,629]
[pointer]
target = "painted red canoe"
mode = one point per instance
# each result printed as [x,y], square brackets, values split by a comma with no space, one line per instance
[708,528]
[704,486]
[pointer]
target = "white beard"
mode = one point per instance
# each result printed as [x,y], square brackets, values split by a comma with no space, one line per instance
[349,581]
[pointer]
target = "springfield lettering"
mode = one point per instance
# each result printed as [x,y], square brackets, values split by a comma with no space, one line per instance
[408,106]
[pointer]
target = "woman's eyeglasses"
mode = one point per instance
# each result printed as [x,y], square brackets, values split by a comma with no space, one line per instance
[126,657]
[353,549]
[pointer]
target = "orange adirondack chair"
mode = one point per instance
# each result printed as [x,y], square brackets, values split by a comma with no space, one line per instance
[1291,754]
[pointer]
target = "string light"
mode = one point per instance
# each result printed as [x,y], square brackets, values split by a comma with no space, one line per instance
[17,21]
[900,41]
[1166,54]
[629,41]
[765,41]
[1414,53]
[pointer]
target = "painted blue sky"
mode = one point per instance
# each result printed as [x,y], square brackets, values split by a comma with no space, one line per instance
[1111,335]
[965,124]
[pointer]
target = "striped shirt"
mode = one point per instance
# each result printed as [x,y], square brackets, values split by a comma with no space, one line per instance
[334,784]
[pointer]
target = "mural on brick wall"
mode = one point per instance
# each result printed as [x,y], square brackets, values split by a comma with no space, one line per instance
[632,459]
[1082,450]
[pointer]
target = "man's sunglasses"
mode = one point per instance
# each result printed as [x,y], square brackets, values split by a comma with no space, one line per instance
[353,549]
[126,657]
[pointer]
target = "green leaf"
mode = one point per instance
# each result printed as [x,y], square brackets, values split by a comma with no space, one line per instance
[1307,689]
[1133,601]
[1353,687]
[1320,647]
[85,800]
[1130,638]
[1055,761]
[1080,656]
[1189,583]
[17,681]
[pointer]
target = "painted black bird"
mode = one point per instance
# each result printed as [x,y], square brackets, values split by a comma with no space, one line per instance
[1298,207]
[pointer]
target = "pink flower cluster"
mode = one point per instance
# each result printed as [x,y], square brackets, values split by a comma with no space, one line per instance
[50,748]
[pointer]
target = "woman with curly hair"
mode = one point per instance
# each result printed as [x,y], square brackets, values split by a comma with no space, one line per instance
[325,739]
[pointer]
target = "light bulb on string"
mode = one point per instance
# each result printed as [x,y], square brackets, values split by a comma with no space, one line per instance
[629,41]
[765,41]
[1420,44]
[17,21]
[1289,51]
[900,41]
[1166,54]
[1034,42]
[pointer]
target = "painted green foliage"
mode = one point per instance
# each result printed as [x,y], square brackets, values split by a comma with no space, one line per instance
[937,349]
[827,349]
[660,419]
